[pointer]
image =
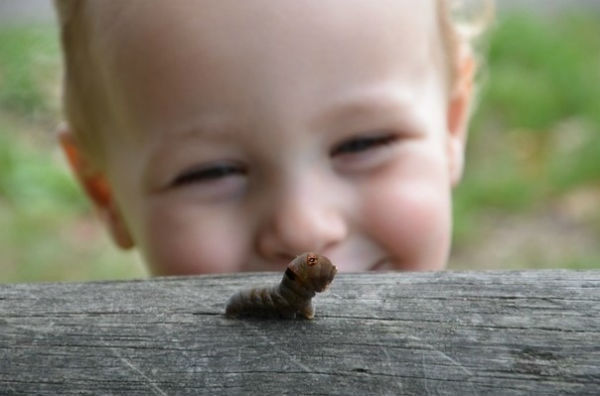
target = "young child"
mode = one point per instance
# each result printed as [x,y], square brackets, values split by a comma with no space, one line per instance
[227,135]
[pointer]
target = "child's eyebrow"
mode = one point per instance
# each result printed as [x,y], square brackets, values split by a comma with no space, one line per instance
[203,129]
[170,141]
[373,103]
[195,130]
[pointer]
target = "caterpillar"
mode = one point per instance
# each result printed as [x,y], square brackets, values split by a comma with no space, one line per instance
[306,275]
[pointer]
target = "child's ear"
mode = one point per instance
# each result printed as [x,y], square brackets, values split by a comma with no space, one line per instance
[459,106]
[96,187]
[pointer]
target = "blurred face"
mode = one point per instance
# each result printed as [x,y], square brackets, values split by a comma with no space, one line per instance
[248,132]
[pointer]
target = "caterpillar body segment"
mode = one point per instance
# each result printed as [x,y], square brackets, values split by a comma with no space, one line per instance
[304,276]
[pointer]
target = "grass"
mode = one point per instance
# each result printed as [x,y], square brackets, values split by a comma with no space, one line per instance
[534,143]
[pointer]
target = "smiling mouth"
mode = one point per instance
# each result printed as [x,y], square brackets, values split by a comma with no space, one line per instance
[382,265]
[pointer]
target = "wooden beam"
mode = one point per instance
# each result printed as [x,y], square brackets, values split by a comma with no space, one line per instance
[491,333]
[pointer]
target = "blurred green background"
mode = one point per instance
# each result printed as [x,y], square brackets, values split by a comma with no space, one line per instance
[530,197]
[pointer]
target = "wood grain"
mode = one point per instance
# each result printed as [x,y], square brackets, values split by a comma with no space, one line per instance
[491,333]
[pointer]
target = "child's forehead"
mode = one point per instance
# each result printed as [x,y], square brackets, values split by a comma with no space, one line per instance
[262,31]
[165,55]
[219,20]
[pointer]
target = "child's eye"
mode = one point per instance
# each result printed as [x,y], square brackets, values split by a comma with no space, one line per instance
[362,143]
[208,174]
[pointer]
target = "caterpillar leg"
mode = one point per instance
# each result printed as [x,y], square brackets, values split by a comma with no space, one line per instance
[307,311]
[287,314]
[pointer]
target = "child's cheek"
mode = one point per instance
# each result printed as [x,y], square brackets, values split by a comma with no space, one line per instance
[411,221]
[191,241]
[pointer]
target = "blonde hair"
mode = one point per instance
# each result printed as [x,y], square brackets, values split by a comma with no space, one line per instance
[463,23]
[86,105]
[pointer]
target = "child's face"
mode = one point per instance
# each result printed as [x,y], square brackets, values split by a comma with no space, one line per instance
[247,132]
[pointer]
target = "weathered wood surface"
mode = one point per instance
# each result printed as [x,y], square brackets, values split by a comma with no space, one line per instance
[506,333]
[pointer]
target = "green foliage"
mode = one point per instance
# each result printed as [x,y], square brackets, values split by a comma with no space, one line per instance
[29,61]
[540,101]
[53,246]
[32,180]
[553,65]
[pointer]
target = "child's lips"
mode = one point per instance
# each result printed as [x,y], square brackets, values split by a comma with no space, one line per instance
[382,265]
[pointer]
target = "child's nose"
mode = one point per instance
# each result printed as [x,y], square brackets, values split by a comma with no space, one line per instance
[301,222]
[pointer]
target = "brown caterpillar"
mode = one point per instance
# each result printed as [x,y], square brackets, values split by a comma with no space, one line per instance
[304,276]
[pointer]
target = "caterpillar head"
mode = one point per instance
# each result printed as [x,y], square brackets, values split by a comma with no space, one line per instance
[313,270]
